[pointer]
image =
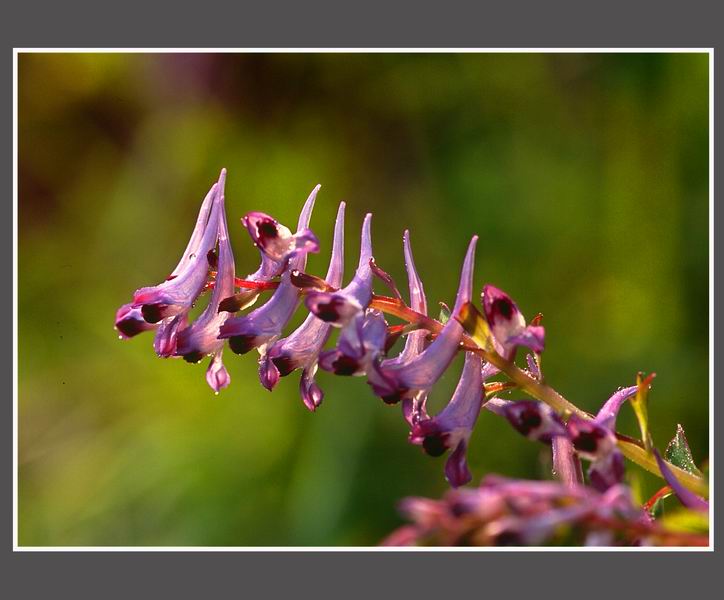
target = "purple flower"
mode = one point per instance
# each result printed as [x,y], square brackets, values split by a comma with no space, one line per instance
[393,382]
[507,323]
[201,337]
[451,429]
[413,406]
[216,375]
[265,324]
[686,497]
[595,440]
[167,335]
[360,344]
[300,350]
[339,308]
[130,322]
[178,293]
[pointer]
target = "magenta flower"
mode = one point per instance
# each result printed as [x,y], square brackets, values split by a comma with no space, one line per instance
[393,382]
[413,405]
[595,440]
[452,428]
[339,308]
[265,324]
[178,293]
[507,324]
[300,350]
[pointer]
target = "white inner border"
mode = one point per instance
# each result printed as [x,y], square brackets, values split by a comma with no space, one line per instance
[16,51]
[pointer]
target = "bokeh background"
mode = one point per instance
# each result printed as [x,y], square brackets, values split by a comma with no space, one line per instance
[586,176]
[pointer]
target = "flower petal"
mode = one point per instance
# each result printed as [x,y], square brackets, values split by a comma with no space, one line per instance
[339,308]
[216,375]
[177,294]
[265,324]
[394,382]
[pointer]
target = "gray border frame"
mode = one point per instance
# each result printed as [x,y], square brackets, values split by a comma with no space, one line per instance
[75,23]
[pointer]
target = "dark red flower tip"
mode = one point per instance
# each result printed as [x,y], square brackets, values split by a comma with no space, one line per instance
[241,344]
[153,313]
[284,364]
[212,258]
[193,357]
[345,365]
[435,444]
[587,441]
[330,311]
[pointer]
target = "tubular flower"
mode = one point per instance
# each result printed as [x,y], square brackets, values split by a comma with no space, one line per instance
[507,324]
[300,350]
[451,429]
[596,441]
[265,324]
[413,406]
[360,344]
[393,382]
[341,307]
[201,337]
[178,293]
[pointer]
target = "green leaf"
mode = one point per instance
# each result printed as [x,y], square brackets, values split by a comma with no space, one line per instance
[444,313]
[679,453]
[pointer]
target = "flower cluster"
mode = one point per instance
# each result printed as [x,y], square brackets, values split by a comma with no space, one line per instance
[499,510]
[365,337]
[509,512]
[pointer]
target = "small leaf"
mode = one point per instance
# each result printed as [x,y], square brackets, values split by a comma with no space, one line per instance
[444,313]
[679,453]
[686,520]
[476,326]
[640,406]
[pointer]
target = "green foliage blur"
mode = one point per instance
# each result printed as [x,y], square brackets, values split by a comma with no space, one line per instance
[585,175]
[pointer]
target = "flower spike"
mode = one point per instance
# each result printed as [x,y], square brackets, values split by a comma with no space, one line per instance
[339,308]
[265,324]
[394,382]
[302,347]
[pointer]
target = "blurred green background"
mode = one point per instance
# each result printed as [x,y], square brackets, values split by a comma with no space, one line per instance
[586,176]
